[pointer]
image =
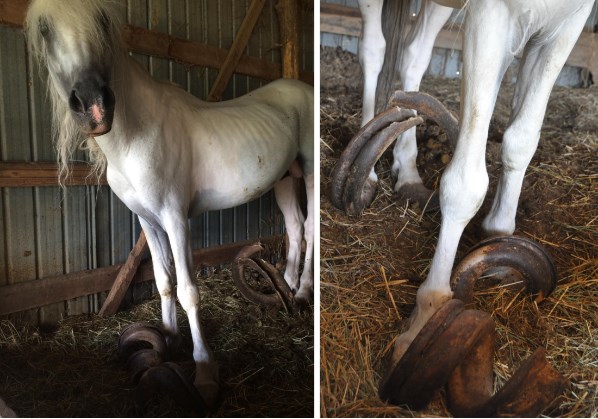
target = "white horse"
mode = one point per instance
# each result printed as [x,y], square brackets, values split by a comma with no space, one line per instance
[494,32]
[169,155]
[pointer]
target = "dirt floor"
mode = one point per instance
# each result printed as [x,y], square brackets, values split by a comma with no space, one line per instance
[371,266]
[265,358]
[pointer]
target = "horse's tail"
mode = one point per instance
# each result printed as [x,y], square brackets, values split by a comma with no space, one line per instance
[395,21]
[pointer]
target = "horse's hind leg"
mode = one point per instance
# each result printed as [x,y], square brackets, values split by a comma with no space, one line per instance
[415,60]
[286,197]
[307,277]
[528,108]
[159,246]
[371,57]
[206,373]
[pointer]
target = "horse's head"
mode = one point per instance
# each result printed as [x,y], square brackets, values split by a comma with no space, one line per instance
[77,41]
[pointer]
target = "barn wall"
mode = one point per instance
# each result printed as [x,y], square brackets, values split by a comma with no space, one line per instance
[447,63]
[45,231]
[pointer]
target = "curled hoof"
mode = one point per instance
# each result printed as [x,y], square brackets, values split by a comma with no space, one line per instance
[456,348]
[362,198]
[353,187]
[417,194]
[248,258]
[206,382]
[530,260]
[141,335]
[169,379]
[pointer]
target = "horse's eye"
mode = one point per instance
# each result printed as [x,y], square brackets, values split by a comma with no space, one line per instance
[44,29]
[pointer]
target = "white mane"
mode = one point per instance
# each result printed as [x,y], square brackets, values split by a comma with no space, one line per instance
[94,22]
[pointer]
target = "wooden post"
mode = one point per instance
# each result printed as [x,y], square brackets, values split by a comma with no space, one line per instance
[125,277]
[288,17]
[236,50]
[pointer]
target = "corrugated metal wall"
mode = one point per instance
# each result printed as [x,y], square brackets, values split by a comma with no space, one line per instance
[447,63]
[46,231]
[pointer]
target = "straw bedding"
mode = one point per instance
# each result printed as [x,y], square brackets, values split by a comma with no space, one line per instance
[265,360]
[371,266]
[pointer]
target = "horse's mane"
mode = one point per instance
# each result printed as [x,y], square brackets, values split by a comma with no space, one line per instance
[91,20]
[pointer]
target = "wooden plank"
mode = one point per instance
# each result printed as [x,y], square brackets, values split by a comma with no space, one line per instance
[340,20]
[585,53]
[29,174]
[124,277]
[26,295]
[145,41]
[236,51]
[12,12]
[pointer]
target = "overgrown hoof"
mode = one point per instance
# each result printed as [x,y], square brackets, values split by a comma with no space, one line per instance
[420,196]
[141,335]
[455,348]
[530,260]
[248,259]
[169,379]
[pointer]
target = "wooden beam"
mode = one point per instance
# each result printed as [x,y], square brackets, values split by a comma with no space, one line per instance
[236,51]
[288,18]
[340,20]
[145,41]
[41,292]
[124,277]
[12,12]
[343,20]
[30,174]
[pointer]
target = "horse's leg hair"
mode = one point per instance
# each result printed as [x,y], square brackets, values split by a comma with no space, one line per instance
[372,46]
[528,108]
[288,202]
[416,59]
[486,55]
[307,277]
[177,228]
[164,273]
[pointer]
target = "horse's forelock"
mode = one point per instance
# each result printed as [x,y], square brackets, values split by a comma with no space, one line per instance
[93,21]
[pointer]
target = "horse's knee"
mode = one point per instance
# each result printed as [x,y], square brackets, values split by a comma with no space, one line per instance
[188,296]
[462,191]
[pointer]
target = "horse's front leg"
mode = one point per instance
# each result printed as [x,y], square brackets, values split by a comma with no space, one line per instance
[164,273]
[486,55]
[206,374]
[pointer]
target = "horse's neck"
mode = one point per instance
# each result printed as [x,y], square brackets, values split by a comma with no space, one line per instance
[133,92]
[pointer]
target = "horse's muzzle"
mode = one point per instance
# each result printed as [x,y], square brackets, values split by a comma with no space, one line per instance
[92,104]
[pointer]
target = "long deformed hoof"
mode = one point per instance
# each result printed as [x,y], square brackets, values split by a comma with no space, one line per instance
[169,379]
[248,258]
[528,258]
[351,185]
[417,194]
[456,348]
[141,335]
